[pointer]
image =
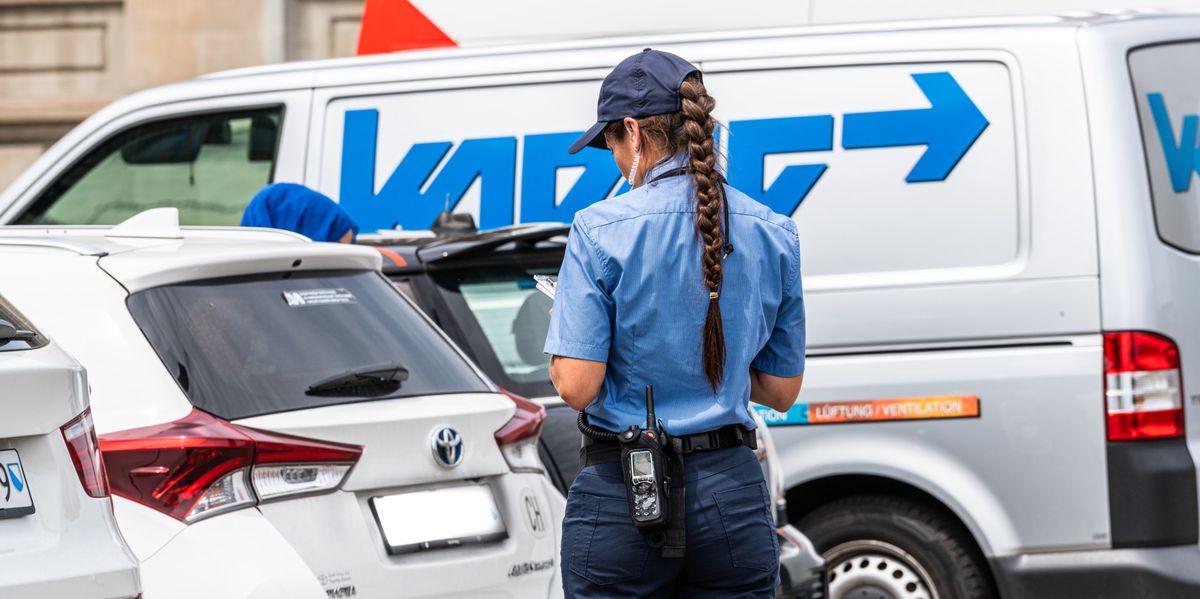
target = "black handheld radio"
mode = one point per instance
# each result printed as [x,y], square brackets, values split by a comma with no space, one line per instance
[644,464]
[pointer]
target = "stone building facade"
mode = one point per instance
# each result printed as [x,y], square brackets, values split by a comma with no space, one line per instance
[61,60]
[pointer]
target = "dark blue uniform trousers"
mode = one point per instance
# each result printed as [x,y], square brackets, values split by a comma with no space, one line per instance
[732,550]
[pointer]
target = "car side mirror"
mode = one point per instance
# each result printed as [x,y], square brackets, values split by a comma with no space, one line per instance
[9,332]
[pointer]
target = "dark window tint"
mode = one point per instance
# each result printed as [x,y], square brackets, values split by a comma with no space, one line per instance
[504,319]
[247,346]
[208,166]
[16,332]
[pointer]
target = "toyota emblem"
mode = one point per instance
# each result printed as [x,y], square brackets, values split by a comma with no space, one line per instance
[447,447]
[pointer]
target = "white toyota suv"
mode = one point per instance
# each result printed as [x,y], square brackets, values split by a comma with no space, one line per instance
[278,421]
[57,534]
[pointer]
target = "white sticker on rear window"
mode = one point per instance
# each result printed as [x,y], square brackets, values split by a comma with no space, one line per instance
[318,297]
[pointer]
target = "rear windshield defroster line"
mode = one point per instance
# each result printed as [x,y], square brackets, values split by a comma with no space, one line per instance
[247,346]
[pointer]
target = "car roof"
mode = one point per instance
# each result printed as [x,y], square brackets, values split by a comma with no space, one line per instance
[156,253]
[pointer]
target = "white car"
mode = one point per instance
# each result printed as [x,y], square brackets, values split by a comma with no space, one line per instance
[278,421]
[58,538]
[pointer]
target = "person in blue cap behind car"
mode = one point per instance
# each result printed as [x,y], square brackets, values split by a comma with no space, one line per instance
[652,291]
[297,208]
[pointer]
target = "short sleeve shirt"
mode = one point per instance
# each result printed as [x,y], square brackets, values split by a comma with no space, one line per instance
[631,293]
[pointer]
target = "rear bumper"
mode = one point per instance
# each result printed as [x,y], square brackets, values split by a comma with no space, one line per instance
[801,569]
[1103,574]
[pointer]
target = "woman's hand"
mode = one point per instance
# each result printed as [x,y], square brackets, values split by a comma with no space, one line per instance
[577,381]
[777,393]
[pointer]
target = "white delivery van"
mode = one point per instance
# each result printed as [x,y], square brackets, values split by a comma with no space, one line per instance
[1001,235]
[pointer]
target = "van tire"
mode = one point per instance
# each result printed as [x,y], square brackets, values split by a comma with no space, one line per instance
[946,552]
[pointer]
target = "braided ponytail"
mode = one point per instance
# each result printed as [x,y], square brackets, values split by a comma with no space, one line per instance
[698,125]
[691,129]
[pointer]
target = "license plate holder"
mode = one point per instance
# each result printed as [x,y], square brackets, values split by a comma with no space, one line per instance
[438,518]
[15,499]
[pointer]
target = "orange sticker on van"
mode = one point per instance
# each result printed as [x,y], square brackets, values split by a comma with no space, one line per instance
[875,410]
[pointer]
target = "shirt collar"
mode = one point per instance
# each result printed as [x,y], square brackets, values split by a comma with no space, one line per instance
[677,161]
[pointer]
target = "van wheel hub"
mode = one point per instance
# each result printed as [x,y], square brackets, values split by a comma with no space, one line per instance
[869,569]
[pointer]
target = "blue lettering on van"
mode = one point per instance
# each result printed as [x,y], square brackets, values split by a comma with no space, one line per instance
[1182,156]
[751,141]
[402,201]
[15,477]
[544,155]
[948,128]
[413,194]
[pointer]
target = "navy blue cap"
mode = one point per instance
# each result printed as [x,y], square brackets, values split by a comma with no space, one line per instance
[644,84]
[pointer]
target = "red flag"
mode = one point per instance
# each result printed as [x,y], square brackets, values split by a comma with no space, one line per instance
[391,25]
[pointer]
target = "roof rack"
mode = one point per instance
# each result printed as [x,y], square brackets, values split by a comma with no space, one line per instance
[70,245]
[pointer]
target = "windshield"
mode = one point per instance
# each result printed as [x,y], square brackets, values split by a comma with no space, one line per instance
[246,346]
[504,319]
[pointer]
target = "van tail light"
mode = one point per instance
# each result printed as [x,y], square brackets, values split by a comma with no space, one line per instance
[80,435]
[200,466]
[1143,387]
[518,438]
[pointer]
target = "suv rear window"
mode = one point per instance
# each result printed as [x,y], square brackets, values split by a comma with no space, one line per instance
[504,319]
[1167,103]
[247,346]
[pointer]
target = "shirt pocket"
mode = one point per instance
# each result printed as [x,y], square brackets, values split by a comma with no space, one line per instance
[749,530]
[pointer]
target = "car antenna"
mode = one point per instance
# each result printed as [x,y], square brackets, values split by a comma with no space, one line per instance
[450,224]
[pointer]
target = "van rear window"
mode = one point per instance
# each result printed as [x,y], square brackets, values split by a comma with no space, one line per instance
[1168,102]
[246,346]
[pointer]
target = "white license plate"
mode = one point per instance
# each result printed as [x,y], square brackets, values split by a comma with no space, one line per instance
[15,500]
[438,518]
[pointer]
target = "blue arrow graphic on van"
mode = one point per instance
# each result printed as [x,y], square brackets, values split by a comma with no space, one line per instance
[12,476]
[948,128]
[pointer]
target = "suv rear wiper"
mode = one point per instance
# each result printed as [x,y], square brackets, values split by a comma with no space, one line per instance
[363,381]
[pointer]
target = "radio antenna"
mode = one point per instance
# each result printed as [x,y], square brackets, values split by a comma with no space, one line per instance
[650,420]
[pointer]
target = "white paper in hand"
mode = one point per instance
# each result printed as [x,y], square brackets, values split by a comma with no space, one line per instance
[546,284]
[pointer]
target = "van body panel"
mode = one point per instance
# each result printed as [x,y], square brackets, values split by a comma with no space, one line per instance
[1038,442]
[1146,284]
[911,317]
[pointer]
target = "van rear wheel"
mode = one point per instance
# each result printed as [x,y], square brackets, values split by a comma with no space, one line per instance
[884,547]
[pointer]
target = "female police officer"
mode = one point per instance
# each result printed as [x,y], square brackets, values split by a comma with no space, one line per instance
[651,292]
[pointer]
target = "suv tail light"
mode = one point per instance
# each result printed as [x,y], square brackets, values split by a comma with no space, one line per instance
[80,435]
[1143,388]
[200,466]
[518,438]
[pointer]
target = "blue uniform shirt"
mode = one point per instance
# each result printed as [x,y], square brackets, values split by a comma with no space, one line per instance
[631,293]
